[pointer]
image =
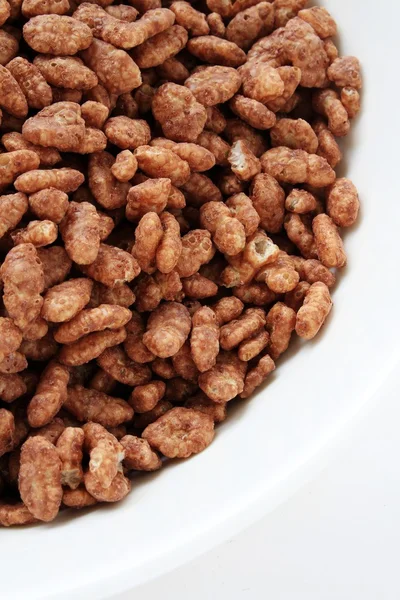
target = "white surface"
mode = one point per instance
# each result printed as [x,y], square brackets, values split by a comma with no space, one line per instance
[271,445]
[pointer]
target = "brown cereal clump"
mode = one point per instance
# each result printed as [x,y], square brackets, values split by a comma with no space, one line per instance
[147,284]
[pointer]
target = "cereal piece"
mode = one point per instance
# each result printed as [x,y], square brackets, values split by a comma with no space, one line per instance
[350,98]
[12,98]
[139,455]
[200,189]
[121,295]
[320,20]
[66,71]
[15,362]
[167,329]
[50,432]
[50,395]
[122,12]
[144,397]
[105,453]
[222,7]
[31,81]
[204,341]
[80,230]
[263,83]
[252,112]
[23,280]
[295,298]
[59,126]
[328,242]
[55,34]
[193,20]
[229,184]
[268,199]
[342,203]
[55,263]
[49,204]
[116,363]
[346,72]
[258,294]
[259,251]
[243,162]
[312,315]
[15,514]
[69,448]
[252,346]
[203,404]
[7,429]
[185,367]
[133,344]
[119,488]
[90,347]
[216,145]
[215,120]
[328,104]
[14,141]
[248,324]
[160,162]
[285,165]
[112,266]
[62,302]
[216,51]
[102,382]
[304,49]
[256,376]
[291,77]
[125,166]
[251,24]
[38,350]
[181,117]
[106,316]
[280,276]
[198,286]
[151,195]
[180,433]
[148,235]
[300,202]
[163,367]
[313,271]
[228,232]
[328,147]
[197,250]
[33,8]
[238,130]
[227,309]
[173,70]
[12,386]
[91,405]
[216,25]
[39,480]
[94,114]
[213,85]
[12,164]
[225,380]
[127,133]
[38,233]
[107,190]
[198,157]
[160,47]
[281,321]
[115,69]
[294,133]
[79,498]
[12,209]
[170,246]
[241,207]
[36,330]
[5,12]
[301,235]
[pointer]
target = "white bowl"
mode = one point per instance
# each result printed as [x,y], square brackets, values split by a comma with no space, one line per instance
[270,444]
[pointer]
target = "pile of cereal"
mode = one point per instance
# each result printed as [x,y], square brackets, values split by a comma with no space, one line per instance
[169,217]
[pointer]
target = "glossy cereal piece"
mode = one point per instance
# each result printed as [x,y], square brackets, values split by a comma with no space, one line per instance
[38,350]
[5,12]
[121,295]
[203,404]
[57,35]
[214,85]
[10,336]
[268,199]
[145,397]
[198,156]
[328,242]
[12,386]
[49,204]
[180,433]
[38,233]
[90,405]
[190,18]
[36,330]
[160,162]
[345,71]
[148,294]
[12,98]
[66,71]
[34,86]
[47,156]
[62,302]
[50,432]
[250,24]
[106,189]
[58,126]
[173,70]
[33,8]
[170,247]
[225,380]
[291,77]
[199,287]
[197,249]
[301,235]
[281,321]
[252,346]
[320,20]
[116,363]
[280,276]
[15,362]
[133,345]
[148,235]
[15,514]
[243,162]
[167,329]
[204,340]
[90,347]
[328,147]
[200,189]
[112,266]
[295,298]
[115,69]
[127,133]
[163,367]
[55,263]
[216,51]
[313,270]
[350,98]
[227,309]
[180,115]
[185,367]
[79,498]
[257,375]
[259,251]
[7,429]
[105,316]
[119,488]
[285,165]
[241,207]
[216,25]
[138,454]
[314,311]
[327,103]
[23,280]
[12,209]
[294,133]
[80,230]
[105,453]
[149,196]
[216,145]
[13,164]
[228,232]
[222,7]
[238,130]
[248,324]
[69,447]
[160,47]
[122,12]
[39,480]
[254,113]
[125,166]
[300,202]
[263,83]
[215,120]
[342,203]
[94,114]
[50,395]
[304,49]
